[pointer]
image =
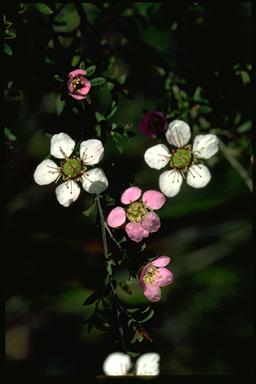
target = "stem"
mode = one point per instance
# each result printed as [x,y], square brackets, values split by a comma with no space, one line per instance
[236,164]
[106,254]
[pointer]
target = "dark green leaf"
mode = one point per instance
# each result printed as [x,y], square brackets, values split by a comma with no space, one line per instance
[90,70]
[92,210]
[97,81]
[43,8]
[119,141]
[7,49]
[99,117]
[92,298]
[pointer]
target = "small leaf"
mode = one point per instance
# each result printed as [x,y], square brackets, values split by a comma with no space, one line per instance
[98,130]
[143,247]
[99,117]
[91,211]
[113,111]
[148,316]
[7,49]
[119,141]
[92,298]
[43,8]
[75,61]
[97,81]
[58,78]
[10,136]
[60,104]
[244,127]
[90,70]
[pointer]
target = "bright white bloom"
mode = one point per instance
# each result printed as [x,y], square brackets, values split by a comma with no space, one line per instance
[119,364]
[183,159]
[72,168]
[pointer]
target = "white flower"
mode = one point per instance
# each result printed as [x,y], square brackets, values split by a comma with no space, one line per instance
[72,168]
[119,364]
[183,159]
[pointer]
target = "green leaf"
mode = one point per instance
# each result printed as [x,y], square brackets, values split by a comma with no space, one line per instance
[92,298]
[92,210]
[97,81]
[10,136]
[143,247]
[75,61]
[60,104]
[98,130]
[99,117]
[113,110]
[119,141]
[148,316]
[244,127]
[43,8]
[7,49]
[90,70]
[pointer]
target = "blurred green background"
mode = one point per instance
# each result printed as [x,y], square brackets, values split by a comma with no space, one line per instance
[190,60]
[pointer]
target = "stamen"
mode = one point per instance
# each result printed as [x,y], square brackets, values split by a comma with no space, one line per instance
[63,153]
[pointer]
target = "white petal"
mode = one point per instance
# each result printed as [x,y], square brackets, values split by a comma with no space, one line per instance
[198,176]
[170,182]
[205,146]
[67,192]
[46,172]
[148,364]
[62,145]
[91,151]
[178,133]
[157,156]
[95,181]
[117,364]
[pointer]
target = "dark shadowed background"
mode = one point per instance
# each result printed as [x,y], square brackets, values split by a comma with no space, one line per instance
[190,60]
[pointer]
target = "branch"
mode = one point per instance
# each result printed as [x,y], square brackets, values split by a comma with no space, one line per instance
[236,164]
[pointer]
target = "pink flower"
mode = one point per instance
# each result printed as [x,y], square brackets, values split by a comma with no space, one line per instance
[153,276]
[139,213]
[78,85]
[153,123]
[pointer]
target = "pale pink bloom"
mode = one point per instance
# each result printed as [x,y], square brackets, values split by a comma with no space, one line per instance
[138,212]
[153,276]
[78,85]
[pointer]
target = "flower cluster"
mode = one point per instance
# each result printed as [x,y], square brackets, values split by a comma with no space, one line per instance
[137,215]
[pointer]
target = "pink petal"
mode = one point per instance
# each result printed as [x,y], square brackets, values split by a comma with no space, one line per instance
[164,277]
[87,86]
[145,232]
[153,293]
[116,217]
[130,195]
[134,231]
[161,261]
[77,97]
[151,222]
[153,199]
[77,72]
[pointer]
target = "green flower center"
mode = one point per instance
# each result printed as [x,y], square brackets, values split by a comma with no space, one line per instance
[135,212]
[181,158]
[150,276]
[72,168]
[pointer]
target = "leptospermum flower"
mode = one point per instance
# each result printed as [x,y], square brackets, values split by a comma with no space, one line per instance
[78,85]
[183,159]
[138,212]
[119,364]
[153,124]
[72,169]
[154,276]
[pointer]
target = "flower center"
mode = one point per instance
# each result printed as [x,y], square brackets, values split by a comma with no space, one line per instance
[72,168]
[181,158]
[77,84]
[135,212]
[150,276]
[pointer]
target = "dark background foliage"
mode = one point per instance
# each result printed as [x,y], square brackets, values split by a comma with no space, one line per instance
[191,60]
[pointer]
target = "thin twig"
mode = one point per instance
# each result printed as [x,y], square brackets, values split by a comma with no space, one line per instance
[236,164]
[106,254]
